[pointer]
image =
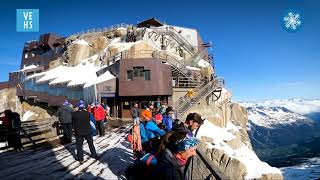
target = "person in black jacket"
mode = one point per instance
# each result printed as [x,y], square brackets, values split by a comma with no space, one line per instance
[176,150]
[81,121]
[193,122]
[135,113]
[65,117]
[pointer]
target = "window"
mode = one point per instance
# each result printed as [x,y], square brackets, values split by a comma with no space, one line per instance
[138,71]
[25,55]
[147,75]
[29,73]
[126,105]
[130,75]
[107,88]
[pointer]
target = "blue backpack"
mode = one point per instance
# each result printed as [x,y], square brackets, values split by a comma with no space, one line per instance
[93,125]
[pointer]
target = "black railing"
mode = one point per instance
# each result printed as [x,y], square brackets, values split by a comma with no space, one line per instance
[33,132]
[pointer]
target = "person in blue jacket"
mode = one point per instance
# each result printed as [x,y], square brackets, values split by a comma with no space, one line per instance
[149,131]
[168,119]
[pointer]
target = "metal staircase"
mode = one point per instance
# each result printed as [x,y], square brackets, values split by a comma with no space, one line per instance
[193,61]
[169,30]
[178,69]
[201,91]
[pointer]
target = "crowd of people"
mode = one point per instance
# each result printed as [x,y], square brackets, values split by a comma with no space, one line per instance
[163,146]
[87,121]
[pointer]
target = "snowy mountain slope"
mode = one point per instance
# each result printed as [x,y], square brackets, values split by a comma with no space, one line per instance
[307,170]
[300,106]
[273,116]
[273,113]
[279,129]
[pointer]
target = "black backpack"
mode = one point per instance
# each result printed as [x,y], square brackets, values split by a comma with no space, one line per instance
[15,123]
[143,168]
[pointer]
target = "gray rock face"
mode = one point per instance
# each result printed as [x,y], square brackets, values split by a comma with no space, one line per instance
[9,100]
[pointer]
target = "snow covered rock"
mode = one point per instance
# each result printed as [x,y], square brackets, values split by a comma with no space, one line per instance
[120,32]
[226,142]
[233,157]
[28,115]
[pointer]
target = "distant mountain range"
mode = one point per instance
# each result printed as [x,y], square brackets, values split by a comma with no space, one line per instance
[283,132]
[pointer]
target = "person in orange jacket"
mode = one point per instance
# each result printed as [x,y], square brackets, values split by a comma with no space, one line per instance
[100,115]
[147,113]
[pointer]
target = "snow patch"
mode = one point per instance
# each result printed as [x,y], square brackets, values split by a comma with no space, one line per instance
[78,75]
[254,167]
[231,126]
[104,77]
[193,68]
[29,68]
[27,115]
[218,134]
[203,63]
[81,42]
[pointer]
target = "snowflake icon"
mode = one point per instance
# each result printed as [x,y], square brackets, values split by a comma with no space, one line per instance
[292,21]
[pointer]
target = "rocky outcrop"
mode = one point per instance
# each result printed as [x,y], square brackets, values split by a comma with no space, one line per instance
[231,118]
[9,100]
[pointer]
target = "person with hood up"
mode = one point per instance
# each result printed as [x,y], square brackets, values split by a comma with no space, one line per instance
[64,114]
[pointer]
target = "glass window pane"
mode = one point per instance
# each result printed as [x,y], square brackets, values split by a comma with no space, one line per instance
[129,75]
[126,105]
[147,75]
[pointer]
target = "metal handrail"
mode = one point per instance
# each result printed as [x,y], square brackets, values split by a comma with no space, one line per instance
[203,92]
[184,82]
[214,170]
[156,54]
[181,99]
[104,29]
[177,36]
[32,128]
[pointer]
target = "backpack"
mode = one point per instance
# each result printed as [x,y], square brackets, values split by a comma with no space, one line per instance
[143,168]
[15,123]
[93,125]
